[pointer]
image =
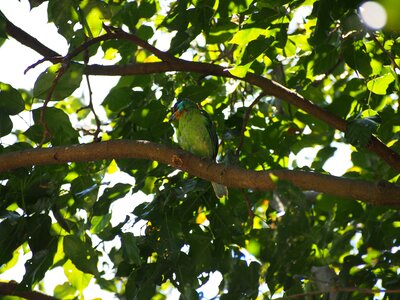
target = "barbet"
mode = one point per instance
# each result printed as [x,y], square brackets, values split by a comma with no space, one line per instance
[196,134]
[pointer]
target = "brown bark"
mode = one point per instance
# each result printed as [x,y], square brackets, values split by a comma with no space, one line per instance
[13,289]
[231,176]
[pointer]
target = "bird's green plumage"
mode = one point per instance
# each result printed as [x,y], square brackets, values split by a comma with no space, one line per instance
[196,134]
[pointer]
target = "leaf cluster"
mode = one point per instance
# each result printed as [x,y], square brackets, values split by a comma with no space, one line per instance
[262,244]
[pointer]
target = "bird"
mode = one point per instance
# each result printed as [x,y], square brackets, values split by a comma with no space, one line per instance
[196,133]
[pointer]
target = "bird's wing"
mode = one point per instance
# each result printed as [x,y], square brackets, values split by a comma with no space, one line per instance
[212,133]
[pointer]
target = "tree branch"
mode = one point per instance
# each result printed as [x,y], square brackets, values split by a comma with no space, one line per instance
[13,289]
[171,63]
[269,87]
[381,193]
[29,41]
[338,290]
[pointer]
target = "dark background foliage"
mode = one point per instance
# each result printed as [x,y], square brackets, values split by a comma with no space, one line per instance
[263,243]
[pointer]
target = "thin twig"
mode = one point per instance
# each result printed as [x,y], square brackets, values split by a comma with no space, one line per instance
[96,137]
[40,61]
[389,55]
[46,131]
[91,106]
[246,117]
[117,33]
[249,209]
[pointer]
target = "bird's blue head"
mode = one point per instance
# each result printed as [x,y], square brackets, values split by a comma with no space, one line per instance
[182,106]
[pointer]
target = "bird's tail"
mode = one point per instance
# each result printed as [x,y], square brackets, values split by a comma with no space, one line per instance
[219,190]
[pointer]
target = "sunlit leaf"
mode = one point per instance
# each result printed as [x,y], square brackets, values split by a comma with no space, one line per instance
[96,14]
[78,279]
[59,82]
[64,291]
[239,71]
[380,84]
[243,37]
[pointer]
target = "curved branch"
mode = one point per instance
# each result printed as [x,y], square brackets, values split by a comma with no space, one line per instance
[171,63]
[231,176]
[269,87]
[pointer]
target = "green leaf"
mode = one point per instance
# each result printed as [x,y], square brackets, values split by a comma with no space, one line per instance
[81,254]
[359,131]
[12,235]
[120,98]
[140,291]
[118,191]
[96,14]
[99,223]
[223,31]
[145,32]
[78,279]
[57,122]
[130,249]
[64,291]
[38,265]
[252,239]
[147,8]
[322,156]
[64,15]
[341,106]
[254,49]
[356,57]
[244,36]
[325,59]
[11,101]
[3,34]
[240,71]
[380,84]
[69,81]
[180,42]
[85,191]
[6,124]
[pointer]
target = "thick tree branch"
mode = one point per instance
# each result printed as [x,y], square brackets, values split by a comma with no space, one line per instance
[171,63]
[29,41]
[13,289]
[231,176]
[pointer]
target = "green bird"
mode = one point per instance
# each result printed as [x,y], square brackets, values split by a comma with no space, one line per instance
[196,134]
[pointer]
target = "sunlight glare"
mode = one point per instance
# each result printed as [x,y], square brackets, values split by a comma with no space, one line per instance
[373,14]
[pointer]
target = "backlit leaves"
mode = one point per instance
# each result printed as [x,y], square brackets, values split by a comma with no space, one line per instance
[359,131]
[11,103]
[83,256]
[86,219]
[380,84]
[66,84]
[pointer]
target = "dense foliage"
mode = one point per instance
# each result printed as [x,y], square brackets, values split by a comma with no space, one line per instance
[264,243]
